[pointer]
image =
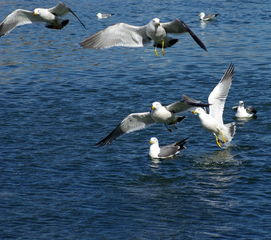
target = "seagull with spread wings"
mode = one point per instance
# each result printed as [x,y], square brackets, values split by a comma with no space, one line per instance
[213,121]
[51,16]
[158,114]
[125,35]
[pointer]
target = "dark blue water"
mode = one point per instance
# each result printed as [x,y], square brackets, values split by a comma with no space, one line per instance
[57,100]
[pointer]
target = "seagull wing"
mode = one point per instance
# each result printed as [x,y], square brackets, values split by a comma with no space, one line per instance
[178,26]
[133,122]
[172,149]
[120,34]
[186,104]
[168,151]
[218,96]
[17,18]
[61,9]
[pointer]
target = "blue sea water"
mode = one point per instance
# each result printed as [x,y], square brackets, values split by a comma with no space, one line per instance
[57,100]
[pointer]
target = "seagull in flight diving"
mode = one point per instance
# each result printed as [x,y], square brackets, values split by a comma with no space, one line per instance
[213,121]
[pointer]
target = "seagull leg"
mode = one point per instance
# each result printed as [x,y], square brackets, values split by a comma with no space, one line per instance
[218,141]
[163,47]
[156,52]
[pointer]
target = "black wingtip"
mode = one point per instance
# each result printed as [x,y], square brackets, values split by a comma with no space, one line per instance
[194,36]
[73,13]
[194,102]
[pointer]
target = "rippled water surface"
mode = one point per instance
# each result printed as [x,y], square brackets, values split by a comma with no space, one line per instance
[57,100]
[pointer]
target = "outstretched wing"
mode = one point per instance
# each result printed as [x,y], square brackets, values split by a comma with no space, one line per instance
[133,122]
[178,26]
[218,96]
[120,34]
[186,104]
[17,18]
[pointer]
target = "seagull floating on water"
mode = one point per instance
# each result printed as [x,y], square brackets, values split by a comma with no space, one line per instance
[208,17]
[158,114]
[125,35]
[50,16]
[243,112]
[104,15]
[168,151]
[213,121]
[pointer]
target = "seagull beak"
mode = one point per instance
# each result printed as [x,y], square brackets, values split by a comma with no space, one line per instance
[194,112]
[150,142]
[35,12]
[153,108]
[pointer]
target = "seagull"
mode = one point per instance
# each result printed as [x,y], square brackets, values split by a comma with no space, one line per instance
[209,17]
[104,15]
[125,35]
[50,16]
[167,151]
[244,112]
[158,114]
[213,121]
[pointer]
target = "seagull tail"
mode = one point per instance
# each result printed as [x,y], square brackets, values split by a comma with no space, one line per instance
[231,129]
[181,143]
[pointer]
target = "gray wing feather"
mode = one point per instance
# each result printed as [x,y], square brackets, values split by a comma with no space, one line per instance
[218,96]
[17,18]
[172,149]
[59,10]
[175,26]
[186,104]
[120,34]
[168,151]
[133,122]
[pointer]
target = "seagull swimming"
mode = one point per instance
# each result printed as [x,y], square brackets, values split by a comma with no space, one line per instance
[243,112]
[213,121]
[157,152]
[104,15]
[125,35]
[50,16]
[208,17]
[158,114]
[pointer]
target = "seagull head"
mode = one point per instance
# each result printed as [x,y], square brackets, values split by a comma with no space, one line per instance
[156,105]
[36,11]
[201,15]
[241,103]
[156,21]
[99,15]
[198,111]
[153,140]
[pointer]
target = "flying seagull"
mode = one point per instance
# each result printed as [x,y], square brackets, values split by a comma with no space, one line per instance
[243,112]
[125,35]
[209,17]
[157,152]
[104,15]
[158,114]
[213,121]
[49,15]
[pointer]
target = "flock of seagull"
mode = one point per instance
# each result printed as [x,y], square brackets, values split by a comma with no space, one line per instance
[125,35]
